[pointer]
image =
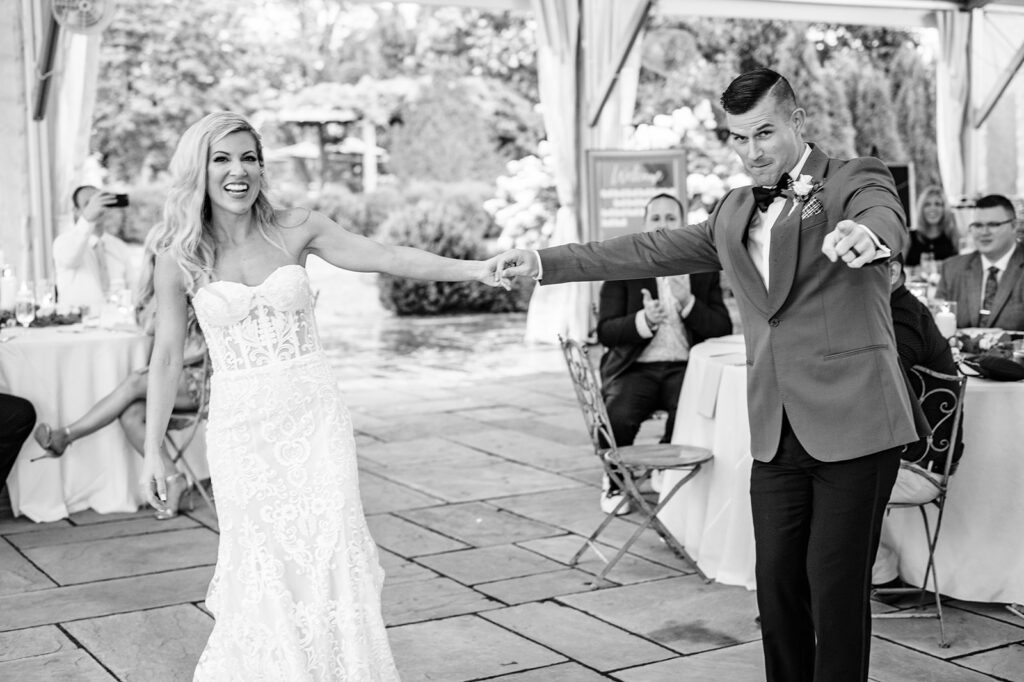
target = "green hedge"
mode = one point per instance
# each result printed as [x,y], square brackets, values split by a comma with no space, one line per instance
[453,228]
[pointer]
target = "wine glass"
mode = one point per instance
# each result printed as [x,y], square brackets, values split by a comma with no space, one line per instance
[25,306]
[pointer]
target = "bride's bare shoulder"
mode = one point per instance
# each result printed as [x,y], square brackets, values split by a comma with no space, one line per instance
[291,218]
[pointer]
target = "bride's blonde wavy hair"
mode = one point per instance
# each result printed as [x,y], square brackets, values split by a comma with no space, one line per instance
[186,232]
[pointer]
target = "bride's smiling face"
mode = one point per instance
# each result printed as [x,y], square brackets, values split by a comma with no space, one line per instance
[233,173]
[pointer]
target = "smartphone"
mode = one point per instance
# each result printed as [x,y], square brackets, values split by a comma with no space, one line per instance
[120,200]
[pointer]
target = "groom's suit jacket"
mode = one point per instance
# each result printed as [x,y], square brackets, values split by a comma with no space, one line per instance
[963,280]
[819,338]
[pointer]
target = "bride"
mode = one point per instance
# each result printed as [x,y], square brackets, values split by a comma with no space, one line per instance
[296,589]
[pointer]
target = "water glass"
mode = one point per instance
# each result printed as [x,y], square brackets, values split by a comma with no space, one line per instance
[25,307]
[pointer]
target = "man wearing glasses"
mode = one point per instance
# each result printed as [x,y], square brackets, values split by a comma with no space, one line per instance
[988,285]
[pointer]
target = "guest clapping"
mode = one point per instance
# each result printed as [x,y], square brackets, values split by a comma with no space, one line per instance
[90,261]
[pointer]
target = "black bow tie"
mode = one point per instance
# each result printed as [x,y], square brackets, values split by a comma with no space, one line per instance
[764,196]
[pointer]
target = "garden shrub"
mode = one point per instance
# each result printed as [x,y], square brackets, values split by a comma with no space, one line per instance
[452,228]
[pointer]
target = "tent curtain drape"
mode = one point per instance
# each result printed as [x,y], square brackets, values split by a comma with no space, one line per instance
[953,99]
[565,308]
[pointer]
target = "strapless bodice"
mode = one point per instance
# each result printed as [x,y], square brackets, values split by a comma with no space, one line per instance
[247,327]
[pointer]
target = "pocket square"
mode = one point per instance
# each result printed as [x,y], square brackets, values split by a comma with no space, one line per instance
[812,208]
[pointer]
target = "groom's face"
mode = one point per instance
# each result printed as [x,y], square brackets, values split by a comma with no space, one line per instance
[767,139]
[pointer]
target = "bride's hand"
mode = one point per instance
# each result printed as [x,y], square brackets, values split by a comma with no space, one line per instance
[154,482]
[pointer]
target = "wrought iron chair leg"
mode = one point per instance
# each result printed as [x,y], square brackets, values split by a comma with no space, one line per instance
[589,542]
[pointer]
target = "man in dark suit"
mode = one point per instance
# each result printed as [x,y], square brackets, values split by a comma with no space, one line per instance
[17,417]
[648,326]
[828,404]
[988,284]
[918,343]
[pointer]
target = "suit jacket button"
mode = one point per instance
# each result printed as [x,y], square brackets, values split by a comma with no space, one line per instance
[774,321]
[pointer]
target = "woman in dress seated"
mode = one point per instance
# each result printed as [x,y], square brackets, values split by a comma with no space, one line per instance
[127,402]
[935,231]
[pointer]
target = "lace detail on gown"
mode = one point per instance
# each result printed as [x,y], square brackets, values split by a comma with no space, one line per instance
[296,590]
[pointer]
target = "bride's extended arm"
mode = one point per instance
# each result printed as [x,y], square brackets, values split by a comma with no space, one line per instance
[165,365]
[350,251]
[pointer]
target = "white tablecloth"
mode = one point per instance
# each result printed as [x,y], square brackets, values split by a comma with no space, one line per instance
[980,555]
[63,371]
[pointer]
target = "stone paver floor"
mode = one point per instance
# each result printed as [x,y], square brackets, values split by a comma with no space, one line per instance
[477,482]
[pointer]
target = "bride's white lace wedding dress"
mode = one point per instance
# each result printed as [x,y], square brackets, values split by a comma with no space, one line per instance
[296,591]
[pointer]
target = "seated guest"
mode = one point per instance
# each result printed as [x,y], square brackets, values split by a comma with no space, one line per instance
[919,343]
[17,417]
[935,230]
[127,402]
[988,285]
[648,326]
[87,257]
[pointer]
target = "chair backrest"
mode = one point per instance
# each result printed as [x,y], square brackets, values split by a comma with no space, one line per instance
[588,392]
[941,397]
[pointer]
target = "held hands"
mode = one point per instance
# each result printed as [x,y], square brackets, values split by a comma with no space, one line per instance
[680,287]
[851,243]
[154,482]
[505,267]
[654,310]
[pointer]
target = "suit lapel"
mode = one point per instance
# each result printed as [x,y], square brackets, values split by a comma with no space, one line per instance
[785,239]
[973,283]
[736,225]
[1007,283]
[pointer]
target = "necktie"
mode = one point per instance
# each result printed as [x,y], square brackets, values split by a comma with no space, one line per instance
[764,196]
[991,287]
[101,262]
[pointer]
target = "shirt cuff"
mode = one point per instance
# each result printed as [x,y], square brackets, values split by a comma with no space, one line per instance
[688,308]
[540,266]
[881,250]
[642,328]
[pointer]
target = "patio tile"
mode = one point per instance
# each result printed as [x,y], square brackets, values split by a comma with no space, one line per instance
[473,649]
[420,426]
[474,566]
[741,663]
[966,632]
[575,509]
[202,514]
[126,556]
[161,645]
[10,525]
[1006,663]
[64,535]
[629,569]
[893,663]
[17,574]
[431,599]
[580,637]
[407,539]
[65,604]
[399,454]
[400,570]
[563,672]
[476,476]
[479,524]
[84,518]
[561,431]
[33,642]
[997,611]
[66,666]
[526,448]
[485,413]
[381,495]
[538,587]
[684,614]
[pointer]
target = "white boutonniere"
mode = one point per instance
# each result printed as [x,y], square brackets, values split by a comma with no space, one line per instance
[804,188]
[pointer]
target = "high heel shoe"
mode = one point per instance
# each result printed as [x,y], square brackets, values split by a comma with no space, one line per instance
[177,486]
[46,437]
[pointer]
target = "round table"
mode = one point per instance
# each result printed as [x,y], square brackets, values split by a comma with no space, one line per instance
[63,371]
[979,557]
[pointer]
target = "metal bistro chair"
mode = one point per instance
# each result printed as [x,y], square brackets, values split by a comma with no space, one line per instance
[187,422]
[941,397]
[627,466]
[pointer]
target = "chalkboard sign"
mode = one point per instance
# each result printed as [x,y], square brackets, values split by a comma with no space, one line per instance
[903,174]
[622,182]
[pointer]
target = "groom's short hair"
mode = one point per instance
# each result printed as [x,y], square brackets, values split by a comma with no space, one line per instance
[747,90]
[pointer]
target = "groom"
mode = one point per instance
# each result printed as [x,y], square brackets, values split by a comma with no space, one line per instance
[806,253]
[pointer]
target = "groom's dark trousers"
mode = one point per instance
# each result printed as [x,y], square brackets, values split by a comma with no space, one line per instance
[817,525]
